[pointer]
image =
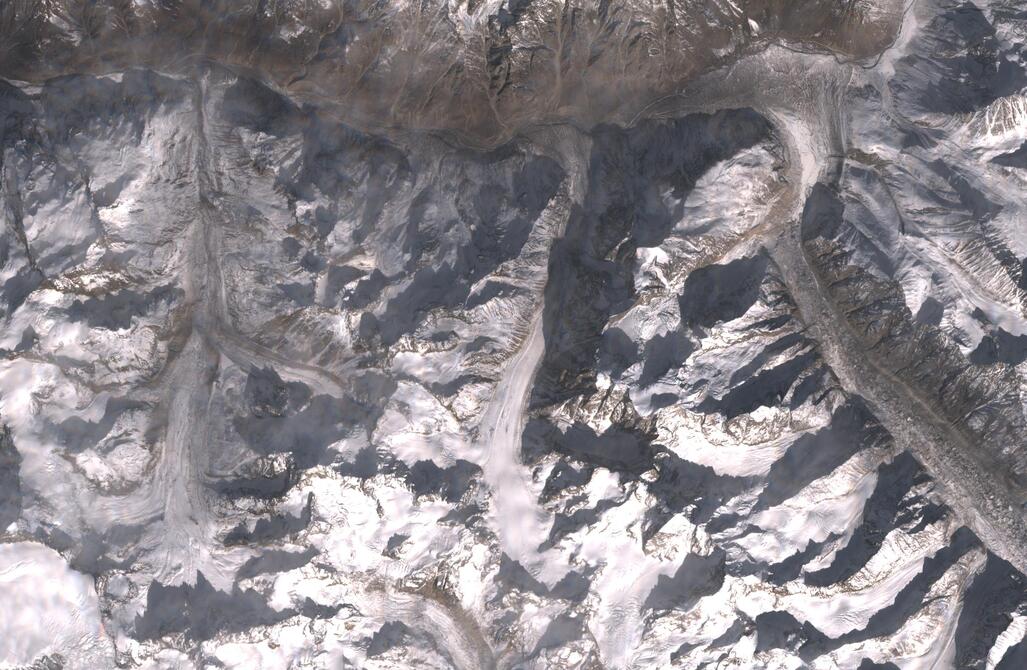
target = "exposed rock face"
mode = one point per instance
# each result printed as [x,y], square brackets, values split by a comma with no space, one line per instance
[513,335]
[482,68]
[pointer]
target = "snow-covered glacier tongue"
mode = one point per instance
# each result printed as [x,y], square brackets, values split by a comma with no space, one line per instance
[513,334]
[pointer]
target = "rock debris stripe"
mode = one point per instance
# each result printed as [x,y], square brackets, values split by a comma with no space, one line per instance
[485,519]
[991,512]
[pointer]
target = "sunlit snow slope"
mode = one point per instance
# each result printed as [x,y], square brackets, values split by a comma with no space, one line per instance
[513,335]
